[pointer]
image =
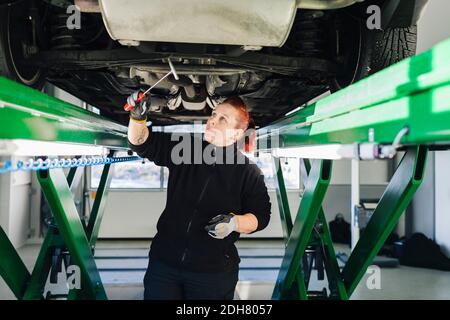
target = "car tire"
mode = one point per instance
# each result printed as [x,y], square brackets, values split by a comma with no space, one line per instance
[372,51]
[392,46]
[12,58]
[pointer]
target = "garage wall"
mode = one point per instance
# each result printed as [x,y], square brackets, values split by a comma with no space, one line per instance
[442,196]
[429,208]
[434,25]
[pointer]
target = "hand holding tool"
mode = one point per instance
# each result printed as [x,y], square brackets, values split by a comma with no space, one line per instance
[222,225]
[141,95]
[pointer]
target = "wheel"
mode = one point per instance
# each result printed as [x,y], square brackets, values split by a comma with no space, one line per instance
[362,52]
[18,41]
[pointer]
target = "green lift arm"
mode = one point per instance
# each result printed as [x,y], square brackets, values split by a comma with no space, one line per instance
[29,114]
[413,94]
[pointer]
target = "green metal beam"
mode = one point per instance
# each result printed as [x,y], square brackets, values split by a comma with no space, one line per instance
[43,264]
[35,289]
[59,197]
[12,268]
[334,275]
[394,201]
[98,209]
[283,203]
[315,188]
[286,222]
[45,118]
[93,226]
[71,175]
[404,94]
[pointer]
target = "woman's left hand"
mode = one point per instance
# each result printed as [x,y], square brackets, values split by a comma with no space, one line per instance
[222,225]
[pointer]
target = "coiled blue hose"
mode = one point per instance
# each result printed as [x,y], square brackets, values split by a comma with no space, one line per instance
[47,164]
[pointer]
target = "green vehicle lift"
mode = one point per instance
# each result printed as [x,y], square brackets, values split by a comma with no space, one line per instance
[405,107]
[69,239]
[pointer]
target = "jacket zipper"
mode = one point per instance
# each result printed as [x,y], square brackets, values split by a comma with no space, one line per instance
[183,257]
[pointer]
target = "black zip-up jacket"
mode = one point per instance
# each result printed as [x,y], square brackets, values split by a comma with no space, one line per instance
[198,190]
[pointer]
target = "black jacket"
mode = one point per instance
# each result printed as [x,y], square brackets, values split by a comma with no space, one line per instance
[198,190]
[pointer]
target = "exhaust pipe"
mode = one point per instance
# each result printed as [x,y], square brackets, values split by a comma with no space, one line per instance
[186,83]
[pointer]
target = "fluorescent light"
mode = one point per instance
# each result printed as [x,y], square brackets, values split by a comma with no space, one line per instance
[20,147]
[293,110]
[329,151]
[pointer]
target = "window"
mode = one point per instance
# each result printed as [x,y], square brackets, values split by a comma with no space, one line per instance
[290,167]
[138,175]
[147,175]
[131,175]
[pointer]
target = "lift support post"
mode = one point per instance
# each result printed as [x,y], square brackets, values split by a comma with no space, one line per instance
[411,97]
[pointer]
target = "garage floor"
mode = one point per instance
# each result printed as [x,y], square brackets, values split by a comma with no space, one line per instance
[122,265]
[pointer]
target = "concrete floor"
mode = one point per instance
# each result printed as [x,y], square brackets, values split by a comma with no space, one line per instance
[122,265]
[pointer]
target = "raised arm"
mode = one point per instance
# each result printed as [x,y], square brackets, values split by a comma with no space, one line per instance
[137,132]
[246,223]
[137,128]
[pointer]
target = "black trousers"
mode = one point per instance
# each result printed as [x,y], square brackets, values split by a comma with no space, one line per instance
[163,282]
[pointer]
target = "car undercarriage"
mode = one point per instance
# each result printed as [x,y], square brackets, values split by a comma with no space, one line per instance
[324,50]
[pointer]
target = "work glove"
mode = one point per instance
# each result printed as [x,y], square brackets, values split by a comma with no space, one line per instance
[141,108]
[222,225]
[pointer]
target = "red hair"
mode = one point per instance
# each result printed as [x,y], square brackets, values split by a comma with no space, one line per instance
[246,122]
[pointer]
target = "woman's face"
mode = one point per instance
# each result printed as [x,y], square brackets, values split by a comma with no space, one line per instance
[222,126]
